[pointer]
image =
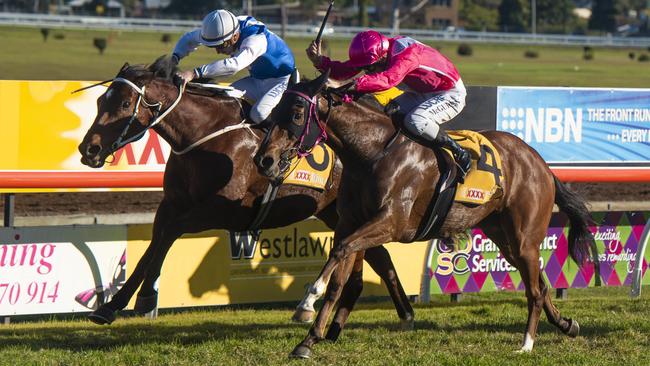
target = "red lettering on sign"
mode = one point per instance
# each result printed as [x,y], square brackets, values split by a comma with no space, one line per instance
[130,158]
[153,144]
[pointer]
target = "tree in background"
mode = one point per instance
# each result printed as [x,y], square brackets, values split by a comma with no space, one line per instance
[513,15]
[555,15]
[363,13]
[480,15]
[603,13]
[198,8]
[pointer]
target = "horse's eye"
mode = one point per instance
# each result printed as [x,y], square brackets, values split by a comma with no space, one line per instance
[126,104]
[297,116]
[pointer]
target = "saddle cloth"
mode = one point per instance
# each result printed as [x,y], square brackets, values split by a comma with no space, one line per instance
[485,179]
[312,171]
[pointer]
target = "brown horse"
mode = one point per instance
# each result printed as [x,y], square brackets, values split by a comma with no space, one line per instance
[384,194]
[213,186]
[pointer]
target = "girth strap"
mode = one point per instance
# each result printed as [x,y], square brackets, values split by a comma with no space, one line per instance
[265,207]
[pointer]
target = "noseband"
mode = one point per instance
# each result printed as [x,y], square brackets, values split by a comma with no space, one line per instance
[157,117]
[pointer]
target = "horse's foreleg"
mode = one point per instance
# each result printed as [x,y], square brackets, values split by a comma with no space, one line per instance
[369,235]
[349,296]
[194,220]
[315,335]
[147,299]
[105,314]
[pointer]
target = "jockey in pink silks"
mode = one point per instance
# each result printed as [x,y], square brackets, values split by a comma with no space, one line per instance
[434,92]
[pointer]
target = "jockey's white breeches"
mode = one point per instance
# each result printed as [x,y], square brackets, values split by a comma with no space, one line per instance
[426,112]
[264,93]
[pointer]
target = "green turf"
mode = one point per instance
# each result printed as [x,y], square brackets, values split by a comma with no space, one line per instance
[25,56]
[483,329]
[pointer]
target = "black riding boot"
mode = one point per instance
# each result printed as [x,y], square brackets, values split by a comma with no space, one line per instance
[461,156]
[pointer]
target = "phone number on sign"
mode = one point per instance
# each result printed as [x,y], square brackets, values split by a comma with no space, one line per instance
[35,292]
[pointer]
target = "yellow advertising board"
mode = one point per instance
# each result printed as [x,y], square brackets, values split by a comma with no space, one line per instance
[209,269]
[42,125]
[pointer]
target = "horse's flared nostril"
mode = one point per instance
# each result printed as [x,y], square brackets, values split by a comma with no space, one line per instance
[92,150]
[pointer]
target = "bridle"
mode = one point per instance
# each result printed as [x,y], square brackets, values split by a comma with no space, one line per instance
[121,140]
[310,118]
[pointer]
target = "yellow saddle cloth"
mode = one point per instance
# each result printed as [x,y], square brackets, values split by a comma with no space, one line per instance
[313,170]
[485,179]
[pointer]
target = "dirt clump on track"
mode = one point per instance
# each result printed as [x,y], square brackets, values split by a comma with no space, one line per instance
[94,203]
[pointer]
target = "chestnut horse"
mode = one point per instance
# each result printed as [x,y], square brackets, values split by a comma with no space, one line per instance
[215,185]
[385,192]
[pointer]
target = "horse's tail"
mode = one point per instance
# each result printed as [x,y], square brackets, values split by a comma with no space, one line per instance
[580,237]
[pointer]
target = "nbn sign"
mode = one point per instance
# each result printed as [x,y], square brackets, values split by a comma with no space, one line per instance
[543,125]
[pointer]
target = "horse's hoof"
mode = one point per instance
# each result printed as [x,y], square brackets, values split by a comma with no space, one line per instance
[301,351]
[303,316]
[103,315]
[574,328]
[145,304]
[407,324]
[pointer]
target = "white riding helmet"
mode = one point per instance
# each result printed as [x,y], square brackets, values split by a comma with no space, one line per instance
[218,27]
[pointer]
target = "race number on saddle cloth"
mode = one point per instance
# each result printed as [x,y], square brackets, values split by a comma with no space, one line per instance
[485,179]
[250,45]
[436,91]
[312,170]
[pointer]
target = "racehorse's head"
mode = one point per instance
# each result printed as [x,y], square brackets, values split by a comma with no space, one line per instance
[296,128]
[124,111]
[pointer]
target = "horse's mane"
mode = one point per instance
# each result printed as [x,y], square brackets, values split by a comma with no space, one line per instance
[163,68]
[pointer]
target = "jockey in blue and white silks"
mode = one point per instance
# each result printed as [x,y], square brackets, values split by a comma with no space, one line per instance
[250,45]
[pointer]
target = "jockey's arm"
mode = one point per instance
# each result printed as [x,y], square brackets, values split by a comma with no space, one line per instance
[338,70]
[400,66]
[251,48]
[186,44]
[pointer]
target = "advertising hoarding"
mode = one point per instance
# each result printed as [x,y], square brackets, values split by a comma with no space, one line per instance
[47,270]
[579,126]
[476,265]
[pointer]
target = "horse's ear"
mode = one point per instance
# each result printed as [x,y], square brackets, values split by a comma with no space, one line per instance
[319,83]
[294,78]
[124,67]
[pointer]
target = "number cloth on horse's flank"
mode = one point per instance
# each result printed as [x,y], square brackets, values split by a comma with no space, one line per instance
[485,179]
[312,171]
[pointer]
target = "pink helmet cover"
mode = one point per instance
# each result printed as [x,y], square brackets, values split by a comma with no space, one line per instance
[367,48]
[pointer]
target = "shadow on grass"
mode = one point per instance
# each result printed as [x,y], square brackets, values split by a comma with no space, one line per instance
[586,330]
[93,337]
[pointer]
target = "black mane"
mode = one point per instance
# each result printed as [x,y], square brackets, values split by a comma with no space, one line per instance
[163,68]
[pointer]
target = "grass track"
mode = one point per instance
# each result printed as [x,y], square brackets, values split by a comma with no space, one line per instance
[25,56]
[481,330]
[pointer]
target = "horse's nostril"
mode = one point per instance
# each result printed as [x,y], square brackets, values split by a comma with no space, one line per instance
[92,150]
[267,162]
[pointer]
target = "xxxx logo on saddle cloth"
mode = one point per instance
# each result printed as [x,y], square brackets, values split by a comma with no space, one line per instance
[485,180]
[313,170]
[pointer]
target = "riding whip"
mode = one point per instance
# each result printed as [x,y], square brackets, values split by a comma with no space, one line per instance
[322,26]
